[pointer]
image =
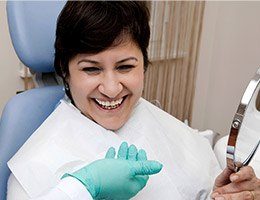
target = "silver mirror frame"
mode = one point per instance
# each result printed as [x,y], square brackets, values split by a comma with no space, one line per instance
[236,124]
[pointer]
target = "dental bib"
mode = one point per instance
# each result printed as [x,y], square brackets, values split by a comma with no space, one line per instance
[67,141]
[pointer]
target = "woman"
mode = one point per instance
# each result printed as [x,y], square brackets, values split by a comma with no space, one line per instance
[101,55]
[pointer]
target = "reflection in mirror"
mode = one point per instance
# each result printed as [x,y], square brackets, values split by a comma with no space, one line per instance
[258,101]
[245,129]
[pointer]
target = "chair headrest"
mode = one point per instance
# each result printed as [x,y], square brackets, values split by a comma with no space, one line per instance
[32,28]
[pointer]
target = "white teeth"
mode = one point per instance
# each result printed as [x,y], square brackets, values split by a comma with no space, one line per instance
[109,105]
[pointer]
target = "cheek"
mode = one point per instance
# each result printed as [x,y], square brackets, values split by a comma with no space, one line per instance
[80,87]
[138,83]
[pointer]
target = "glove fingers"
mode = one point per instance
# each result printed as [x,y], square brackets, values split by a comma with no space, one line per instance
[141,156]
[146,167]
[123,151]
[111,153]
[132,153]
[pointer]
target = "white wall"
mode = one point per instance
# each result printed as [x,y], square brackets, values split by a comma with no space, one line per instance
[10,81]
[229,56]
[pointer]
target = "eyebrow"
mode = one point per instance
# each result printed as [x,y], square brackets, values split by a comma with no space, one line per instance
[96,62]
[126,59]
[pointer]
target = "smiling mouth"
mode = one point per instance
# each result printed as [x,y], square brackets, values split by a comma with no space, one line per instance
[110,105]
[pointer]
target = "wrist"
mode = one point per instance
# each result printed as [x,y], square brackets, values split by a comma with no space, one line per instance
[82,176]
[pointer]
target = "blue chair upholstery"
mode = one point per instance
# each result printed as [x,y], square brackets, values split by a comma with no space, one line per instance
[32,26]
[22,115]
[32,29]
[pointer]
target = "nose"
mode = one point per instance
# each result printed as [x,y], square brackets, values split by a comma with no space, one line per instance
[110,85]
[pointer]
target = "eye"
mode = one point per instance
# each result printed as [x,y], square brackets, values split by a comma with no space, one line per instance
[125,68]
[92,70]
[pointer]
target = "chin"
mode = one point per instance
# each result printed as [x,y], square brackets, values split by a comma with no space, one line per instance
[112,126]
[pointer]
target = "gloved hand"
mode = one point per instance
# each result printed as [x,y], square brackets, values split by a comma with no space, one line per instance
[117,178]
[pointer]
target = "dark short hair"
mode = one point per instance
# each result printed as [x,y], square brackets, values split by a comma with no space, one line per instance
[94,26]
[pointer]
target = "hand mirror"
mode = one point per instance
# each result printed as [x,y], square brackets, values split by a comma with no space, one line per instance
[244,137]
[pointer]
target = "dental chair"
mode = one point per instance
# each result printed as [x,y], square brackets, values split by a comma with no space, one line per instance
[32,28]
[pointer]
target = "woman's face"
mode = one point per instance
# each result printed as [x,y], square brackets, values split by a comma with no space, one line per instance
[107,85]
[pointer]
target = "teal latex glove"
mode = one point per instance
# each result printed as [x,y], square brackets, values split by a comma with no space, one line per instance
[117,178]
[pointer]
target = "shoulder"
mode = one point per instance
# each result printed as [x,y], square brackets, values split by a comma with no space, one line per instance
[165,119]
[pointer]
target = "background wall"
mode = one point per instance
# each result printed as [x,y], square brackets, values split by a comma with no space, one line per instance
[10,82]
[229,57]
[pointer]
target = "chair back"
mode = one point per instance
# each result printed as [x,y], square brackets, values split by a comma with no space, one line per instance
[32,27]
